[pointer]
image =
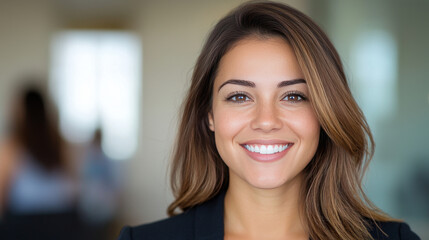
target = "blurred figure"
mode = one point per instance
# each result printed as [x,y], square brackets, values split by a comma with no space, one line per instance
[34,181]
[99,189]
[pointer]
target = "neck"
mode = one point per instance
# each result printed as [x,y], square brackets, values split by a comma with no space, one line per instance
[252,213]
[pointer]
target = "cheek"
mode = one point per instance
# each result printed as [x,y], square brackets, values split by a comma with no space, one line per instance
[228,123]
[307,127]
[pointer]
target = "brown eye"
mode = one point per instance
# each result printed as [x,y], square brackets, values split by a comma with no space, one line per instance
[238,98]
[294,97]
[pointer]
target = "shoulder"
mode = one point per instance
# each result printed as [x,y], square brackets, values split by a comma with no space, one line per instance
[177,227]
[393,230]
[203,221]
[9,152]
[8,149]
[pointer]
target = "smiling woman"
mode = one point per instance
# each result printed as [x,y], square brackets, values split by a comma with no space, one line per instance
[267,111]
[271,143]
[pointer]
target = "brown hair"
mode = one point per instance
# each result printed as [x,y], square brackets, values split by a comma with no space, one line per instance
[335,206]
[36,131]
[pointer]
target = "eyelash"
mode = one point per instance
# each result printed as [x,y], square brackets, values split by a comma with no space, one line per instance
[232,97]
[301,97]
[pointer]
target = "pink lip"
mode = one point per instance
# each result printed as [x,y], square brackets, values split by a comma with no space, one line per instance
[266,157]
[266,142]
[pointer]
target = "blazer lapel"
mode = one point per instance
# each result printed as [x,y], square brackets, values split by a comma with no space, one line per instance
[209,219]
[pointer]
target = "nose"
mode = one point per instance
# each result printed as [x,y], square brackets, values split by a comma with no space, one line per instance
[266,118]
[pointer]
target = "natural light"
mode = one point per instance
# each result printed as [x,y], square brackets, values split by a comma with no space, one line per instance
[96,82]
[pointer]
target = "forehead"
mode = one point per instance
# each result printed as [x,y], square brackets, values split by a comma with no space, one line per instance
[259,58]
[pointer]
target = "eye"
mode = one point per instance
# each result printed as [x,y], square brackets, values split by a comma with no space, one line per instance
[294,97]
[238,98]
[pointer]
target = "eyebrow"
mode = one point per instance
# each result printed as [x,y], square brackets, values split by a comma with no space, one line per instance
[291,82]
[251,84]
[238,82]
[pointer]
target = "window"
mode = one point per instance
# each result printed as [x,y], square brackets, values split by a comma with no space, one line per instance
[96,83]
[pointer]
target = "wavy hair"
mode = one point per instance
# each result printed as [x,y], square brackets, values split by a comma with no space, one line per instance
[335,206]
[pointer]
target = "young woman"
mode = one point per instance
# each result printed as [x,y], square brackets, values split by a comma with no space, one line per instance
[271,143]
[33,170]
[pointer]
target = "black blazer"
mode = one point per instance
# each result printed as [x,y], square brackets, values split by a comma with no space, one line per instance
[205,222]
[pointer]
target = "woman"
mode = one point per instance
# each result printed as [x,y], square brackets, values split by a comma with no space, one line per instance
[33,175]
[271,143]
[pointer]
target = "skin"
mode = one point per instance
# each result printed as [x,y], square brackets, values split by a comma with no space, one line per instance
[9,149]
[268,106]
[8,152]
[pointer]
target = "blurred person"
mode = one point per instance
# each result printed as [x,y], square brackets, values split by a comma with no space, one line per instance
[271,143]
[99,188]
[34,179]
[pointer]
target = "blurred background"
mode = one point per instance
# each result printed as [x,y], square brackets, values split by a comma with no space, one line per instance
[98,84]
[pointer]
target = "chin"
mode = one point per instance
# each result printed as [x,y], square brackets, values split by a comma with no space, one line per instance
[274,180]
[270,182]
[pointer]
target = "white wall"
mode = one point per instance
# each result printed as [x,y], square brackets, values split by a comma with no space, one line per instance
[25,28]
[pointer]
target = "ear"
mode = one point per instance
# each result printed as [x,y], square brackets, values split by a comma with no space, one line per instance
[211,121]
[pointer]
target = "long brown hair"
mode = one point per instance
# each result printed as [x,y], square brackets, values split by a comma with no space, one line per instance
[335,206]
[36,131]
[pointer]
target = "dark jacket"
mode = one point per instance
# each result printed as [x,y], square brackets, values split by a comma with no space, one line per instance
[205,222]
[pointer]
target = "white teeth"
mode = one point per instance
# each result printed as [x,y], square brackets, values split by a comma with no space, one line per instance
[263,149]
[276,148]
[266,149]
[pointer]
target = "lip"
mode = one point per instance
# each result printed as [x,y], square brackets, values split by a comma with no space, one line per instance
[266,158]
[266,142]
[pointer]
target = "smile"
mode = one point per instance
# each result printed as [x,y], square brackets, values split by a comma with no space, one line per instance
[266,149]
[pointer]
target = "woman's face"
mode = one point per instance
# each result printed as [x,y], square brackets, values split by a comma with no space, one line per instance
[265,128]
